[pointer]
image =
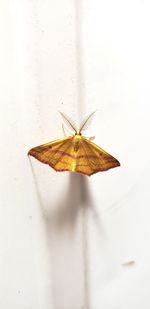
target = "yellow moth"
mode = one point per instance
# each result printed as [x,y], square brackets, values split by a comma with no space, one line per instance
[75,153]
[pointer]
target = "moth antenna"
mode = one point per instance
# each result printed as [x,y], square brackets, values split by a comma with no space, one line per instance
[68,122]
[85,121]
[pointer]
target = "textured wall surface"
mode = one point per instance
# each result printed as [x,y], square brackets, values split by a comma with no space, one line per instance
[66,239]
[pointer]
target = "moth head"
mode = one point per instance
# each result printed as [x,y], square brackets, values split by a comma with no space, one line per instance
[78,133]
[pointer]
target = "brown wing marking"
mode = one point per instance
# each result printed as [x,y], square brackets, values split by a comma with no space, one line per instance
[53,152]
[102,160]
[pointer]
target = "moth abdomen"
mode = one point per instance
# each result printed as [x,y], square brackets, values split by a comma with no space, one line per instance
[76,146]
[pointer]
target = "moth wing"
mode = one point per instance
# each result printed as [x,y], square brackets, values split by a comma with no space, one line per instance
[81,156]
[95,159]
[54,153]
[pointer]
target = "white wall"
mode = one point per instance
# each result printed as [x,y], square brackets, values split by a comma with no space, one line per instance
[63,236]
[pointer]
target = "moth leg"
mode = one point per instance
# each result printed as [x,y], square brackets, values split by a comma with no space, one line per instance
[91,138]
[65,129]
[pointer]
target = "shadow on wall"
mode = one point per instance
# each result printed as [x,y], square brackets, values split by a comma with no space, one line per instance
[67,238]
[71,204]
[66,230]
[67,233]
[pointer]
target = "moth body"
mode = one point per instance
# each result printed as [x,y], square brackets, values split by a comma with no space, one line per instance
[76,142]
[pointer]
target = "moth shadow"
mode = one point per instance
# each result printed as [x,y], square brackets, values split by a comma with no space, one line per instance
[66,231]
[69,222]
[66,237]
[70,205]
[66,234]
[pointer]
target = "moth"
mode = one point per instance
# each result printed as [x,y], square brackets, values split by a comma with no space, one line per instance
[75,153]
